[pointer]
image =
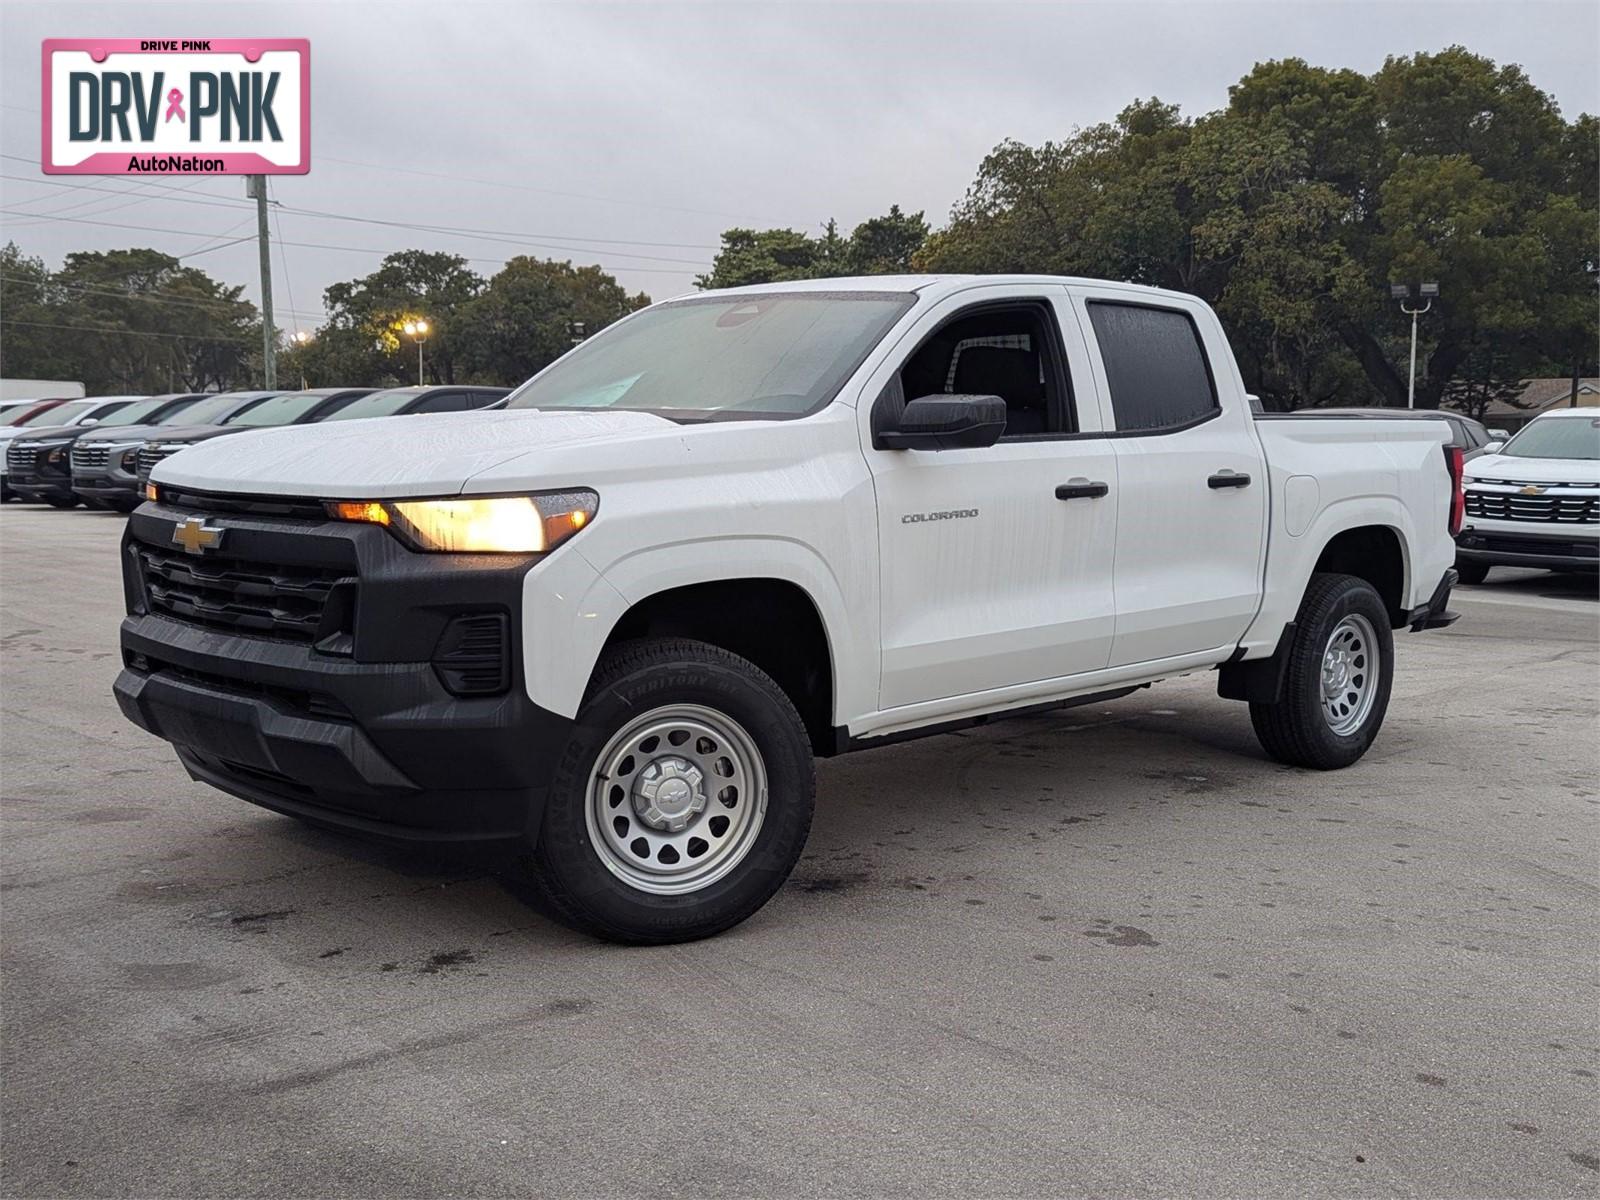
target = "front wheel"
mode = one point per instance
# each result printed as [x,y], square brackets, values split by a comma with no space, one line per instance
[62,502]
[682,800]
[1470,571]
[1337,680]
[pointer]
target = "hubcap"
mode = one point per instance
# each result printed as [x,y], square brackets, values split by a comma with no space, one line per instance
[1349,674]
[676,799]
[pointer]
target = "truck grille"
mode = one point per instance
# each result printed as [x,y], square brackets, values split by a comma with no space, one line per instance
[90,458]
[21,456]
[1551,506]
[264,599]
[150,455]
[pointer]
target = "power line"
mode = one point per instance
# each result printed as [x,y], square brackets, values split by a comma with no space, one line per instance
[186,337]
[515,236]
[148,297]
[352,249]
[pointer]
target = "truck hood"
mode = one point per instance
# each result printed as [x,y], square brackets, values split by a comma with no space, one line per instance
[379,458]
[1510,468]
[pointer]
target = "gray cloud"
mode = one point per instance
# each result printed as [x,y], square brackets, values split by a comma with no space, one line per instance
[667,122]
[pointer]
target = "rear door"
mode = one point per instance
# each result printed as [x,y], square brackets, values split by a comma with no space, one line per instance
[1192,508]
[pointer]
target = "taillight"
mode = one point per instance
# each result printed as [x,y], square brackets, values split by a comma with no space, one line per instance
[1455,460]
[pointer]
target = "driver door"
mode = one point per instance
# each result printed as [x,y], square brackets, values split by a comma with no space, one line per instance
[996,562]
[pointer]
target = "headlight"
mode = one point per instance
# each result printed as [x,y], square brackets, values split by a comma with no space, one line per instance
[478,525]
[130,459]
[56,455]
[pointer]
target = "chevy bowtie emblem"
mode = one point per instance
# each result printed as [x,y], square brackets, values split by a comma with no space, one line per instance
[195,536]
[1533,490]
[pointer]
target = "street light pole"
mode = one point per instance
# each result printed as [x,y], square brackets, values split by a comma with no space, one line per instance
[418,331]
[1402,293]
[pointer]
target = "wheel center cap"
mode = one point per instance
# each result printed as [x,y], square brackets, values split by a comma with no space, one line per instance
[1335,673]
[669,793]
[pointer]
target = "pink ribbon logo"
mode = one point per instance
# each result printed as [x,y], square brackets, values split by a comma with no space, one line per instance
[175,106]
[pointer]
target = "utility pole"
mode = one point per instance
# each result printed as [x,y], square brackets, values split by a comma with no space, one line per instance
[256,185]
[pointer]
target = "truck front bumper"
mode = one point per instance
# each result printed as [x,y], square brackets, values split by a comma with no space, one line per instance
[116,488]
[356,729]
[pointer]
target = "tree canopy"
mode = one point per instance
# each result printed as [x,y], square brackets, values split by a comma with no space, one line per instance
[125,321]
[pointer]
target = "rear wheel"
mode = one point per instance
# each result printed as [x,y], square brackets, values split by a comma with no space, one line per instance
[1471,571]
[682,799]
[1336,685]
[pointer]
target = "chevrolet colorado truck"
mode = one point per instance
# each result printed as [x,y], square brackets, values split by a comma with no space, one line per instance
[616,621]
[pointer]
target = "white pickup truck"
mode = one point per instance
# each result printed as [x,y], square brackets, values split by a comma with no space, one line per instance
[617,620]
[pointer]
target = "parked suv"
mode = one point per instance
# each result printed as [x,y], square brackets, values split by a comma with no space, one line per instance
[105,463]
[1535,503]
[616,621]
[289,408]
[68,416]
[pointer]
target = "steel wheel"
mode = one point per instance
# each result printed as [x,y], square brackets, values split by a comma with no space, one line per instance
[1349,674]
[676,799]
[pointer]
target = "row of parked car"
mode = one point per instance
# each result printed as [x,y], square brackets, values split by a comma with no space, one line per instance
[100,451]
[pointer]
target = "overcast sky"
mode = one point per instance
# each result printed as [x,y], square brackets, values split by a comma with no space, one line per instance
[635,133]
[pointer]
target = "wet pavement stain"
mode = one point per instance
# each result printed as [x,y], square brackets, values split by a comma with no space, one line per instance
[1123,935]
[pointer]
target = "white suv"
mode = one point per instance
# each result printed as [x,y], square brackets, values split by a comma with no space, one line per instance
[1536,503]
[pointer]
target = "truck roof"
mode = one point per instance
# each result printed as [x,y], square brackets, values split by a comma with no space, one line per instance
[932,286]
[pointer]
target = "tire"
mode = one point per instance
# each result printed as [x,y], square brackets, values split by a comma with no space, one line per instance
[1300,729]
[1472,571]
[59,502]
[677,723]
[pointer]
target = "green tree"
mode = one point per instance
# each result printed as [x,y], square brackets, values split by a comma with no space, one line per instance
[1295,206]
[530,313]
[127,321]
[880,246]
[363,342]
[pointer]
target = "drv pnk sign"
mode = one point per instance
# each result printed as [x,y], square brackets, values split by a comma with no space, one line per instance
[213,106]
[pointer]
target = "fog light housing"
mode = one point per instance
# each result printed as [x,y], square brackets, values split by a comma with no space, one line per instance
[473,657]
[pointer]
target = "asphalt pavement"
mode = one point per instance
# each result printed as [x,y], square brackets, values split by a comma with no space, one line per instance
[1112,951]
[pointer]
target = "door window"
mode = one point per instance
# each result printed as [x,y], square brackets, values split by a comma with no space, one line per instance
[1007,350]
[1156,368]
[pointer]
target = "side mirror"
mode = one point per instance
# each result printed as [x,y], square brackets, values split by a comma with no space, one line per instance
[1492,447]
[87,421]
[947,423]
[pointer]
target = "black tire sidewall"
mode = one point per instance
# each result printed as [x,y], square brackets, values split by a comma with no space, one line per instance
[1351,596]
[573,867]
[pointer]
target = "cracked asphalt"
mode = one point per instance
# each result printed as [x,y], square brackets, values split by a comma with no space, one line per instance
[1112,951]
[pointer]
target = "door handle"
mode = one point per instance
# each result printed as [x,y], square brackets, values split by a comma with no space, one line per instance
[1227,479]
[1081,489]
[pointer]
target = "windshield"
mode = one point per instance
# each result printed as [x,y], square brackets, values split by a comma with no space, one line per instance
[378,404]
[60,414]
[280,410]
[779,355]
[1557,437]
[67,413]
[132,414]
[201,412]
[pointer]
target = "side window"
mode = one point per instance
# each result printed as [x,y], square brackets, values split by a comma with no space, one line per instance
[1155,366]
[1005,350]
[444,402]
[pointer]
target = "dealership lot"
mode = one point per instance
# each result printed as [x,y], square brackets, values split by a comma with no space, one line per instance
[1113,950]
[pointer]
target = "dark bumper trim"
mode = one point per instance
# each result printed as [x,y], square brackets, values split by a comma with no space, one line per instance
[1435,614]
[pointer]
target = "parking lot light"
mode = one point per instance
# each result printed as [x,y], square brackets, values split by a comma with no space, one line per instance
[1403,292]
[417,330]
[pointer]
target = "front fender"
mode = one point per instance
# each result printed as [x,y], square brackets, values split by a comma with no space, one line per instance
[569,612]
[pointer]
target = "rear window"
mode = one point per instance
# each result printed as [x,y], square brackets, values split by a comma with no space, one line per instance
[1155,366]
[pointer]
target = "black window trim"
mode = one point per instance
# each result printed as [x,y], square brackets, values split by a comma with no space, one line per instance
[1044,310]
[1205,359]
